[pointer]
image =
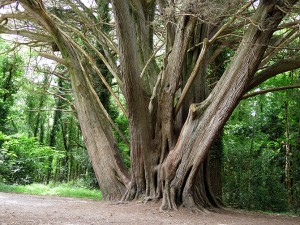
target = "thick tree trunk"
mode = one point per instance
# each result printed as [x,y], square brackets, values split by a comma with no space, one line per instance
[98,136]
[141,146]
[215,168]
[164,162]
[102,149]
[182,166]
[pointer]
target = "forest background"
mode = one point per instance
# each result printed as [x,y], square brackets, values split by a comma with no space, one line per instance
[41,139]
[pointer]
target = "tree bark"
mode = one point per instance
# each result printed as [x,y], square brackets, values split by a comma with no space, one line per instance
[142,181]
[205,120]
[95,126]
[287,146]
[169,159]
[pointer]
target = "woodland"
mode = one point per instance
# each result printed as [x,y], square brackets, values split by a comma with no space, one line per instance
[191,103]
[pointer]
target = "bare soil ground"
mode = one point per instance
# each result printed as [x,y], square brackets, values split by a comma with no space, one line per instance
[29,209]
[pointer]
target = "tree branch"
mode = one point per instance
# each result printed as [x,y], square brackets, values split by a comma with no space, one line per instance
[289,25]
[6,2]
[61,76]
[280,43]
[63,98]
[105,41]
[149,60]
[206,43]
[270,90]
[192,76]
[53,57]
[18,16]
[93,64]
[11,49]
[109,67]
[226,25]
[278,68]
[27,34]
[124,139]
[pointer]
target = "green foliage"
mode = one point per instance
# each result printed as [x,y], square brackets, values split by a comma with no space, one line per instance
[23,159]
[255,141]
[66,158]
[122,123]
[10,75]
[64,189]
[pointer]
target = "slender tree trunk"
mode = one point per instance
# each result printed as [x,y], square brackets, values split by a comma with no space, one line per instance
[70,148]
[64,131]
[38,129]
[287,146]
[55,125]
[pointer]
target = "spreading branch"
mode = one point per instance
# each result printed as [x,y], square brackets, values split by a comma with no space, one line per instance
[6,2]
[53,57]
[278,68]
[206,44]
[100,55]
[27,34]
[270,90]
[226,25]
[94,66]
[63,98]
[273,50]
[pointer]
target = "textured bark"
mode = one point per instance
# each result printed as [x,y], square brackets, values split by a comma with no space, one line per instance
[169,154]
[278,68]
[142,182]
[95,127]
[169,85]
[143,15]
[206,120]
[98,136]
[215,168]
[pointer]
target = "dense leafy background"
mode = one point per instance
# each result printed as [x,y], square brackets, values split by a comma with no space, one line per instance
[255,141]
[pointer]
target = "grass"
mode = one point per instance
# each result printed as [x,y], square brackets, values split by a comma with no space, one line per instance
[63,190]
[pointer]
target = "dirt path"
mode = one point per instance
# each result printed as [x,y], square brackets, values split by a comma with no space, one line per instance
[28,209]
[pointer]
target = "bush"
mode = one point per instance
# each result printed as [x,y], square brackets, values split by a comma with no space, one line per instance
[23,160]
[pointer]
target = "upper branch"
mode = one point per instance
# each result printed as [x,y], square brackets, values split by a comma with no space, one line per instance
[28,34]
[6,2]
[278,68]
[270,90]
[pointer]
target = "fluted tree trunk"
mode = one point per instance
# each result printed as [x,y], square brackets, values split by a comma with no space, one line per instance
[175,113]
[181,160]
[96,129]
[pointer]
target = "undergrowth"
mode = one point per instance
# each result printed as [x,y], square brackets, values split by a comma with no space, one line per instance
[63,190]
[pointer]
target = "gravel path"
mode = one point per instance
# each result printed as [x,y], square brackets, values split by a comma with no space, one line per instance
[29,209]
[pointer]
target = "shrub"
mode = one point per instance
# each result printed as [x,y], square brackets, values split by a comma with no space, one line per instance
[23,160]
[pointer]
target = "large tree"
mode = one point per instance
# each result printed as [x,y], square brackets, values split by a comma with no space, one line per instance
[182,66]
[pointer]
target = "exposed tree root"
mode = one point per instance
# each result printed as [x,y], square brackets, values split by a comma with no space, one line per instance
[169,200]
[150,198]
[130,193]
